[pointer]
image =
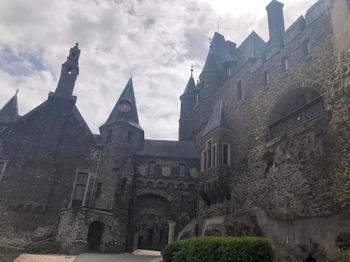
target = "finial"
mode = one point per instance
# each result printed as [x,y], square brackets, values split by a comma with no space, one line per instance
[16,92]
[76,44]
[191,70]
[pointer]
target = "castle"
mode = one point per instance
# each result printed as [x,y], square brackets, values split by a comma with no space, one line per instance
[263,150]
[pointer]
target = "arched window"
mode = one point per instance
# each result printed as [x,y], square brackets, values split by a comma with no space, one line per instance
[285,64]
[293,109]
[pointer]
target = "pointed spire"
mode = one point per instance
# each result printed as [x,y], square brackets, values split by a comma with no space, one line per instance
[191,85]
[69,73]
[125,108]
[9,112]
[217,118]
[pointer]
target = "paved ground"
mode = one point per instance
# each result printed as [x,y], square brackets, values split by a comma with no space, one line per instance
[44,258]
[137,256]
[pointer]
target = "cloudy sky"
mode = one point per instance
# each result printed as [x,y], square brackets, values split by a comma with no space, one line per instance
[154,41]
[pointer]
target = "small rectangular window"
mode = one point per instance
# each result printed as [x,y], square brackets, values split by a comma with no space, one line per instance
[80,189]
[182,170]
[225,154]
[185,203]
[152,168]
[239,91]
[267,78]
[307,48]
[2,168]
[285,64]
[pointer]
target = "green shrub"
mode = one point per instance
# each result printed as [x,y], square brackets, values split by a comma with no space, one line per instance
[220,249]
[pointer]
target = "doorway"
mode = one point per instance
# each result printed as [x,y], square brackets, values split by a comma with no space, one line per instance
[94,236]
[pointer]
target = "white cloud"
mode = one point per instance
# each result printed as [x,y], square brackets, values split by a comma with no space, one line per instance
[155,41]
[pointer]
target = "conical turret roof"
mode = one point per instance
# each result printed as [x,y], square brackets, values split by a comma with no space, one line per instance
[9,112]
[190,87]
[129,114]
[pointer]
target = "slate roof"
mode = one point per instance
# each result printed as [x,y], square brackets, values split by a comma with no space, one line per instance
[190,87]
[131,116]
[169,149]
[217,119]
[9,112]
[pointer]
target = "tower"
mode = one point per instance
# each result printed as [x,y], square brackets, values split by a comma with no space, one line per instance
[69,73]
[188,101]
[122,128]
[211,76]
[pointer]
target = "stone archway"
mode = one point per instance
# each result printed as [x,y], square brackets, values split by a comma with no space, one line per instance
[94,237]
[151,232]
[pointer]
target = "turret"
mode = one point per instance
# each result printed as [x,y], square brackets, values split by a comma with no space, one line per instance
[212,73]
[69,73]
[188,101]
[122,128]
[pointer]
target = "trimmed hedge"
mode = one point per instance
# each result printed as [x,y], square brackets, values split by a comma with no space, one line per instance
[220,249]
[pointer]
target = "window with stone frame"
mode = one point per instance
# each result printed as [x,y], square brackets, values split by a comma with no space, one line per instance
[209,155]
[80,188]
[151,168]
[98,190]
[3,164]
[226,154]
[182,170]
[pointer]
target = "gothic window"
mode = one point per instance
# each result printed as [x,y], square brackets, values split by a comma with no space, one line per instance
[307,47]
[239,91]
[266,78]
[285,64]
[294,109]
[226,154]
[109,136]
[182,170]
[2,168]
[80,189]
[152,168]
[185,203]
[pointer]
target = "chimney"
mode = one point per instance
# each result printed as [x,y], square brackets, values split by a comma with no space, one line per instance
[276,20]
